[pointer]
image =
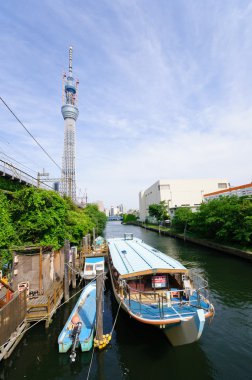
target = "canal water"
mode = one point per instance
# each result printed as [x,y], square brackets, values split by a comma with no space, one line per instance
[140,352]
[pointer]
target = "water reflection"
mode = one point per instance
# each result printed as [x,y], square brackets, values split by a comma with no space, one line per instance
[224,349]
[140,352]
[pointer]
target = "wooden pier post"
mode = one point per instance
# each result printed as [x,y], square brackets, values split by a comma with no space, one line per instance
[66,270]
[86,244]
[99,304]
[89,243]
[40,269]
[74,252]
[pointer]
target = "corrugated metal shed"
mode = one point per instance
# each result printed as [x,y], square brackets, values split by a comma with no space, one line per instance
[133,256]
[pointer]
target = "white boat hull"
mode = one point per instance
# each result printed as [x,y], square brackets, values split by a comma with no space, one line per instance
[187,331]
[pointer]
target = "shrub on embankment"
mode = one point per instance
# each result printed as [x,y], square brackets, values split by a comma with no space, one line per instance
[127,218]
[40,217]
[226,220]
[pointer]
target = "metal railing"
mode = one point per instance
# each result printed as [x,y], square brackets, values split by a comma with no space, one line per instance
[171,298]
[18,174]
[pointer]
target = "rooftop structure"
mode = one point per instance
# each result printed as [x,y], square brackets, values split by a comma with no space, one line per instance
[240,191]
[70,114]
[178,193]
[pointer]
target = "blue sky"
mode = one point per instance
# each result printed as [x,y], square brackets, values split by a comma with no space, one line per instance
[165,90]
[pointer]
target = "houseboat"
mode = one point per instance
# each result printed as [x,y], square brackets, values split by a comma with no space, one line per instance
[157,290]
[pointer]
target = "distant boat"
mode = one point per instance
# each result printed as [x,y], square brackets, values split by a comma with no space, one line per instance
[79,328]
[157,290]
[99,241]
[92,264]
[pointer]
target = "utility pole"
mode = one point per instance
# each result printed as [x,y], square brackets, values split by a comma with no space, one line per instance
[66,270]
[39,175]
[99,299]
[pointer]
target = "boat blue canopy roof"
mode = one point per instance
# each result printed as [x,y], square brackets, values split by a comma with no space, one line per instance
[94,260]
[134,257]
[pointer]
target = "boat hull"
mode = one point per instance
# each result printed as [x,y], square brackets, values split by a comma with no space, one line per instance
[179,331]
[187,331]
[173,301]
[85,312]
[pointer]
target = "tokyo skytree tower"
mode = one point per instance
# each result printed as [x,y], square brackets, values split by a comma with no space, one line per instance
[70,114]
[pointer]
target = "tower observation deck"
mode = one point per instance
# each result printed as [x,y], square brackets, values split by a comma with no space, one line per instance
[70,114]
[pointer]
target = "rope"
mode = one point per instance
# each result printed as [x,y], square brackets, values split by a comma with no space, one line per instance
[77,272]
[34,324]
[116,318]
[90,365]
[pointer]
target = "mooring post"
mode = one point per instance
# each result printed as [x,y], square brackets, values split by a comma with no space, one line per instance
[89,243]
[40,269]
[66,270]
[99,300]
[74,253]
[86,244]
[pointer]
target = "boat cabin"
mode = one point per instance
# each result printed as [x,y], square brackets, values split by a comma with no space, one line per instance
[139,268]
[92,264]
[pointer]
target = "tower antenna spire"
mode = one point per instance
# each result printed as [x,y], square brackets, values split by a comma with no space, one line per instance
[70,60]
[70,114]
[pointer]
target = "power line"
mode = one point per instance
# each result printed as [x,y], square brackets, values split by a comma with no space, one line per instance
[20,163]
[48,155]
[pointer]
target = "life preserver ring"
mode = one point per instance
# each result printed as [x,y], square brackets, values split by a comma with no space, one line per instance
[175,294]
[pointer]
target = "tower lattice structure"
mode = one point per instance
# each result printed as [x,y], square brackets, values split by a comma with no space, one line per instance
[70,114]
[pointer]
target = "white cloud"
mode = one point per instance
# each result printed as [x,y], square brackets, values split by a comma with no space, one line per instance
[165,90]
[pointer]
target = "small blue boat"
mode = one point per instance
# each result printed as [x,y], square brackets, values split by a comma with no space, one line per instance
[79,328]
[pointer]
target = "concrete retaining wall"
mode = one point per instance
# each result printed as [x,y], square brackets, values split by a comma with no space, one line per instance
[205,243]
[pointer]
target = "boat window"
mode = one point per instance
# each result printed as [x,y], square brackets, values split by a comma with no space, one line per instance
[99,266]
[89,267]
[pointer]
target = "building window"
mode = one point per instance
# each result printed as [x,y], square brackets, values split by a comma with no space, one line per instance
[222,186]
[163,187]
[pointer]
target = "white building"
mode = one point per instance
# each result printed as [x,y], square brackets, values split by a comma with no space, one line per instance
[240,191]
[100,206]
[179,193]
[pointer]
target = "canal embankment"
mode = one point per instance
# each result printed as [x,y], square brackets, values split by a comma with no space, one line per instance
[195,240]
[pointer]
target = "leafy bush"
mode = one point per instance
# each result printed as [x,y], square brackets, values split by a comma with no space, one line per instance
[6,227]
[97,218]
[39,217]
[159,211]
[129,218]
[182,218]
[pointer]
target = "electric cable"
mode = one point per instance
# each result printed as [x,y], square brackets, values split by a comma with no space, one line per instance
[48,155]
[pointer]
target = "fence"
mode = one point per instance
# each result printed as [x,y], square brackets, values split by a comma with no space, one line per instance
[12,315]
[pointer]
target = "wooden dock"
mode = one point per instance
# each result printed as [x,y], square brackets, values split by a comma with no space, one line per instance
[44,306]
[101,251]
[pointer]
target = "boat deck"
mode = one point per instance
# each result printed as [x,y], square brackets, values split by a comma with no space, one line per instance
[154,311]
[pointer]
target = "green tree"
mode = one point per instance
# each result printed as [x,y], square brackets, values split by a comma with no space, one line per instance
[39,216]
[159,211]
[97,217]
[6,226]
[226,219]
[182,218]
[129,218]
[7,232]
